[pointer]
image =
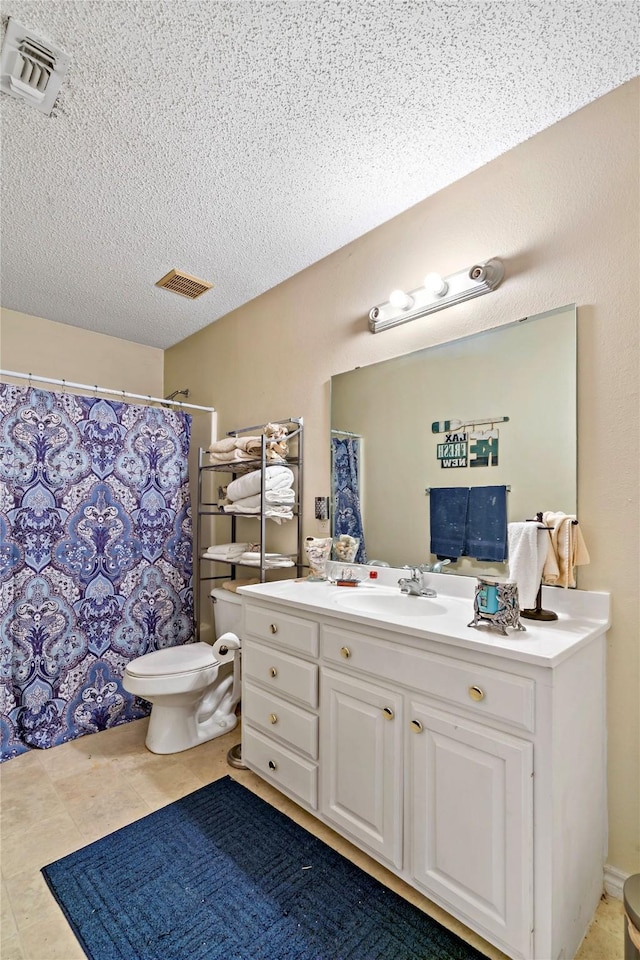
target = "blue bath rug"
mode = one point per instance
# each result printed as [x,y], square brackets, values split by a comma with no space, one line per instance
[222,875]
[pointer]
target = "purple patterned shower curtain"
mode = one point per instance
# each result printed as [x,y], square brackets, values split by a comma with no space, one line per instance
[95,558]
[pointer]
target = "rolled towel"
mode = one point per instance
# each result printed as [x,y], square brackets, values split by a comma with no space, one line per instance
[276,478]
[274,449]
[527,554]
[276,431]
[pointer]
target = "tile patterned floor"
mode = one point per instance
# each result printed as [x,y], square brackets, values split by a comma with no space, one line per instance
[54,801]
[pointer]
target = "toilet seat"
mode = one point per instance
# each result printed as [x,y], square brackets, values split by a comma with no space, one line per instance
[180,661]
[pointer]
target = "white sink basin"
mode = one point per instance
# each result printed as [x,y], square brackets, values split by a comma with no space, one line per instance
[388,604]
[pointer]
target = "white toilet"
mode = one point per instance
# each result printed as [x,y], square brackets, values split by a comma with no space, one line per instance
[193,693]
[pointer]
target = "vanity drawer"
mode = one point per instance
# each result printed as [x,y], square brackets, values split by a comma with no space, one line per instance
[281,628]
[486,692]
[281,673]
[276,717]
[293,774]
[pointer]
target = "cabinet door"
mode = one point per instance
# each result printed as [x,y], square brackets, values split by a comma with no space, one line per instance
[361,763]
[472,822]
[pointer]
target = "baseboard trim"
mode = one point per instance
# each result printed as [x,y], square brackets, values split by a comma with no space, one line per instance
[614,881]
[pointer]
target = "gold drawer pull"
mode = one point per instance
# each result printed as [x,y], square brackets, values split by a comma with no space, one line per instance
[476,693]
[273,672]
[273,718]
[387,713]
[273,627]
[273,765]
[345,652]
[416,726]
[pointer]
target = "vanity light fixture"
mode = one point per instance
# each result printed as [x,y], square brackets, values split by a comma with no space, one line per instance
[400,300]
[436,294]
[435,284]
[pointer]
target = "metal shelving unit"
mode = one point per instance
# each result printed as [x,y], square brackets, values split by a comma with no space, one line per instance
[209,507]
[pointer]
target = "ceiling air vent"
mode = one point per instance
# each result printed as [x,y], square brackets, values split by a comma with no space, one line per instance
[31,68]
[184,284]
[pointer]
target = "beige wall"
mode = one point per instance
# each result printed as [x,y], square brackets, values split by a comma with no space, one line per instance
[562,210]
[35,345]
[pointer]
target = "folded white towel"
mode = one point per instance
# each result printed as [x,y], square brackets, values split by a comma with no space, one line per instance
[272,498]
[226,551]
[274,511]
[272,560]
[275,478]
[527,553]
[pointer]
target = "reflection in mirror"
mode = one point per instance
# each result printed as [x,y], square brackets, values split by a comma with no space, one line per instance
[494,409]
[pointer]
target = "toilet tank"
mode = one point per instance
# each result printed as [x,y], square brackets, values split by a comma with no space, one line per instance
[227,612]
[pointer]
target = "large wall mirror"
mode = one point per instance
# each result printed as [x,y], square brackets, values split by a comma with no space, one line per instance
[511,391]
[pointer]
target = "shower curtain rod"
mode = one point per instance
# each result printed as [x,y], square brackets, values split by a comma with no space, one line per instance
[94,388]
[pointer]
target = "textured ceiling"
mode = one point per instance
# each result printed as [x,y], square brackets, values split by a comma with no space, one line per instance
[243,141]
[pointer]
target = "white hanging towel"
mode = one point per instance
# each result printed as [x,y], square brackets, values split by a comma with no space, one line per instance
[527,554]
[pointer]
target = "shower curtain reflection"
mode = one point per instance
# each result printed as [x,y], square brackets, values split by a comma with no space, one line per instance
[95,558]
[345,470]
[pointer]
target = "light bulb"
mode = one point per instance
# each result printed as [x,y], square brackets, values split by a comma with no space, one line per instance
[400,300]
[435,284]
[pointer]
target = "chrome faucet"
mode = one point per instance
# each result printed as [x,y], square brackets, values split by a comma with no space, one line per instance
[412,586]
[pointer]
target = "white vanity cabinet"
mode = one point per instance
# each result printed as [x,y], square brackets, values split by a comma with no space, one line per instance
[362,763]
[471,821]
[443,773]
[474,774]
[280,693]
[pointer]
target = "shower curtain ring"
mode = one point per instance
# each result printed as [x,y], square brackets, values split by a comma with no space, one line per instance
[64,385]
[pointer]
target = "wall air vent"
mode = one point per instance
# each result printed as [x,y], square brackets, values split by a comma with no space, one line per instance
[31,68]
[184,284]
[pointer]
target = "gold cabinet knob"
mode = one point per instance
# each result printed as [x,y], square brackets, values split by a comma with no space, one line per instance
[387,713]
[273,765]
[345,652]
[476,693]
[273,627]
[416,726]
[273,672]
[273,718]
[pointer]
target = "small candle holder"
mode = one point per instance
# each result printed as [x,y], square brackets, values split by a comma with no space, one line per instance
[496,605]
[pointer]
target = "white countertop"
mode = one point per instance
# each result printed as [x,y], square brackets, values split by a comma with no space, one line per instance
[582,615]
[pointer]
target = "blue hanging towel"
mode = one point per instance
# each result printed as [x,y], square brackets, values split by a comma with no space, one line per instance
[448,514]
[486,533]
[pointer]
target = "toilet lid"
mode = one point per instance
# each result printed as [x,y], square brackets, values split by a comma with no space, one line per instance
[186,658]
